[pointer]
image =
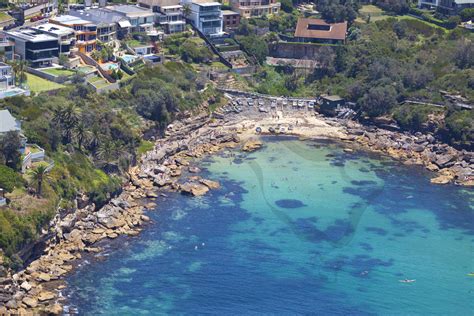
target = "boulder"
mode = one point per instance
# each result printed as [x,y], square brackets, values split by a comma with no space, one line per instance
[210,184]
[46,296]
[194,169]
[30,302]
[195,189]
[26,286]
[54,309]
[252,145]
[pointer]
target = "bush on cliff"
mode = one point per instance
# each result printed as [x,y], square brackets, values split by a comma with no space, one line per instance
[10,179]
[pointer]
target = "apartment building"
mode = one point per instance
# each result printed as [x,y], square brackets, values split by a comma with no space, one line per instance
[169,14]
[66,36]
[86,31]
[7,80]
[37,48]
[255,8]
[231,19]
[206,16]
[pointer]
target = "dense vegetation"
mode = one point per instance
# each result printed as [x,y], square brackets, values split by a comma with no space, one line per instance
[382,64]
[92,140]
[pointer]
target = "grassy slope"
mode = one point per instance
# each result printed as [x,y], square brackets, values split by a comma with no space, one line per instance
[38,84]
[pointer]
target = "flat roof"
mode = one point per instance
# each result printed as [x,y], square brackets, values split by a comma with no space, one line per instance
[54,28]
[206,3]
[230,12]
[317,28]
[98,16]
[69,19]
[171,7]
[31,35]
[129,9]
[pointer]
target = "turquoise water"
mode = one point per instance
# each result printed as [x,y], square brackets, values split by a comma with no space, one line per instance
[297,228]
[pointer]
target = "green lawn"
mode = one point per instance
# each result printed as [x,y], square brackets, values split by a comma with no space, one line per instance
[58,72]
[38,84]
[98,82]
[376,13]
[4,16]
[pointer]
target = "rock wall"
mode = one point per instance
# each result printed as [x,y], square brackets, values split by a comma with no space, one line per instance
[294,50]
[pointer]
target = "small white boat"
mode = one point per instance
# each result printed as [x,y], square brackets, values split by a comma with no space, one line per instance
[407,281]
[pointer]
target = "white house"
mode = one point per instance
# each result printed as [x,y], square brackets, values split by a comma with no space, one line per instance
[206,16]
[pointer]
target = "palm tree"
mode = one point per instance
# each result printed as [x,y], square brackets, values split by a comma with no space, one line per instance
[186,11]
[107,151]
[67,118]
[81,133]
[39,174]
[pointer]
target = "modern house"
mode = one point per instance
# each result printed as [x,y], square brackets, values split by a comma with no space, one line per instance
[255,8]
[107,22]
[206,16]
[65,36]
[231,19]
[37,48]
[447,6]
[140,19]
[7,47]
[318,31]
[7,78]
[169,14]
[86,31]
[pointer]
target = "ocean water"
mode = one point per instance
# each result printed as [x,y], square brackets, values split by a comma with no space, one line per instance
[297,228]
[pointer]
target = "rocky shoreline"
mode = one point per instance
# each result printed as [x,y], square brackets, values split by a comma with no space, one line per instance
[37,288]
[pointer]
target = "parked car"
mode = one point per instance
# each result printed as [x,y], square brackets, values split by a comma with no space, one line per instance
[263,109]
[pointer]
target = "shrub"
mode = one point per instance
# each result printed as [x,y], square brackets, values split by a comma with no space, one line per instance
[9,179]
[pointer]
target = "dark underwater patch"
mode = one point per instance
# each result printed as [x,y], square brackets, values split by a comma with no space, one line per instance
[363,182]
[376,230]
[289,203]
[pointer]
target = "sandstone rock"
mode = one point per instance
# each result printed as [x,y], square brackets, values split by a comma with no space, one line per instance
[30,302]
[194,189]
[43,277]
[194,169]
[442,161]
[26,286]
[210,184]
[252,145]
[11,304]
[54,309]
[144,218]
[46,296]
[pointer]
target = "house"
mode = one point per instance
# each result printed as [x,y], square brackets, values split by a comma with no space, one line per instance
[3,200]
[231,19]
[140,19]
[107,22]
[37,48]
[255,8]
[7,79]
[206,16]
[318,31]
[65,36]
[329,104]
[9,124]
[7,47]
[169,14]
[447,6]
[86,31]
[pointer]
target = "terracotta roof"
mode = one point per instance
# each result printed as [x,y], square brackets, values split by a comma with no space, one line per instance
[317,28]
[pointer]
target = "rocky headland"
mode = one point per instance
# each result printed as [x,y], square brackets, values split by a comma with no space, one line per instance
[169,167]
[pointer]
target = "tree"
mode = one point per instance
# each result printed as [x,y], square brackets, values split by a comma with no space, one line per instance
[10,145]
[9,179]
[81,134]
[186,11]
[255,46]
[39,174]
[467,14]
[62,59]
[379,100]
[464,54]
[287,6]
